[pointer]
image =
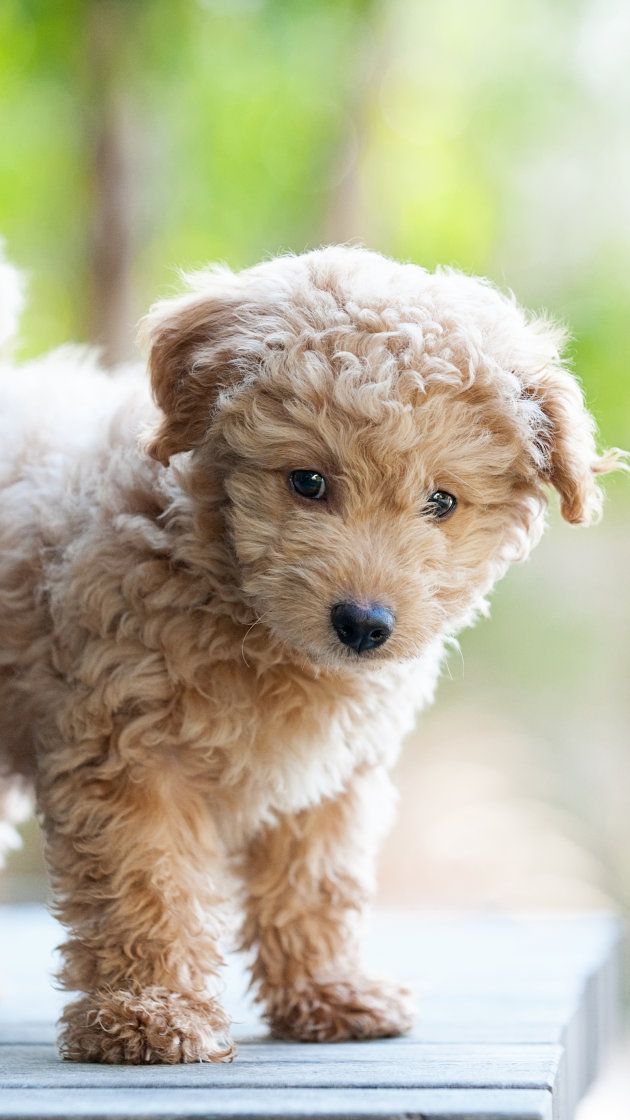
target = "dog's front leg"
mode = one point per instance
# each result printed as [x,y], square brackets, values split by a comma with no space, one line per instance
[133,856]
[308,880]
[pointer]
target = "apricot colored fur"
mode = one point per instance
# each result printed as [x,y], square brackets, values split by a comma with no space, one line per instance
[171,688]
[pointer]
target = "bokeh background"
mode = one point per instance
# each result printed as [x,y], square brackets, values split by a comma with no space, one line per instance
[139,137]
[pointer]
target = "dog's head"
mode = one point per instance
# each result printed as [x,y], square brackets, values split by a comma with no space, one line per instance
[383,436]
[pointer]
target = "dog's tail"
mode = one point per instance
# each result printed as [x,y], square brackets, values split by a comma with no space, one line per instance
[11,300]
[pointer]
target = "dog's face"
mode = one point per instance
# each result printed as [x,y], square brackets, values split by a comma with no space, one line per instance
[382,436]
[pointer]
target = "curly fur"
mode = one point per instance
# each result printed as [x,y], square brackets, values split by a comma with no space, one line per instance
[170,683]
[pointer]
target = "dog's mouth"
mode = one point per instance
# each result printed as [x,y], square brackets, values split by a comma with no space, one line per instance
[338,658]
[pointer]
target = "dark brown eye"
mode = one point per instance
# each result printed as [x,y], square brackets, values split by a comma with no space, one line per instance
[441,503]
[308,484]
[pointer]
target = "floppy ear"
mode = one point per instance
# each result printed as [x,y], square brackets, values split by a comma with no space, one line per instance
[565,431]
[193,344]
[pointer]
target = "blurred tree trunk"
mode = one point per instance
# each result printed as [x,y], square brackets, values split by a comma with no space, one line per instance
[347,218]
[111,243]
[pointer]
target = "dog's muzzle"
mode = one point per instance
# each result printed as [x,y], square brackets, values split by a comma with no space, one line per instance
[362,627]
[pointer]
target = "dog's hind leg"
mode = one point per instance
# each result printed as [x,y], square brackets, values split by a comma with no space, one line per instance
[308,880]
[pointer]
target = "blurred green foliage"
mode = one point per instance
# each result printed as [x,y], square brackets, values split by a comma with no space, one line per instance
[483,135]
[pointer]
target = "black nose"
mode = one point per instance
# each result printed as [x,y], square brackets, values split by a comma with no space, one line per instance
[362,628]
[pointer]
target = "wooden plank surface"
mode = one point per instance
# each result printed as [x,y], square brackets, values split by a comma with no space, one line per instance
[263,1065]
[514,1016]
[269,1104]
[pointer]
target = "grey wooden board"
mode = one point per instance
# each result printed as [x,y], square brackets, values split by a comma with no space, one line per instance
[514,1018]
[384,1104]
[264,1066]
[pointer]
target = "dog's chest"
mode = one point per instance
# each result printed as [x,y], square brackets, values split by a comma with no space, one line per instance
[278,741]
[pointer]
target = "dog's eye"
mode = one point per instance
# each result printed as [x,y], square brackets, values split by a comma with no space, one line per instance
[308,484]
[441,503]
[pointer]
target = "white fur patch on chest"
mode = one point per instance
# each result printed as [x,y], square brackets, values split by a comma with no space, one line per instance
[280,743]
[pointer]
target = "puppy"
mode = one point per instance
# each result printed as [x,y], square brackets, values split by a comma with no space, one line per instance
[220,613]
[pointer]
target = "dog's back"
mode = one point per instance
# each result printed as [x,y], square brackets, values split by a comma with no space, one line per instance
[60,418]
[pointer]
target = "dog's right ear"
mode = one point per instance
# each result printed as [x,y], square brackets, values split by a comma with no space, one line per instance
[193,343]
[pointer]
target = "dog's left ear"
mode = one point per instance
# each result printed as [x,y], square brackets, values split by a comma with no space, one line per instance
[195,344]
[564,429]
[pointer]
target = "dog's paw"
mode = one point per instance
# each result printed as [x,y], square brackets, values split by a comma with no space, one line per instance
[155,1026]
[344,1009]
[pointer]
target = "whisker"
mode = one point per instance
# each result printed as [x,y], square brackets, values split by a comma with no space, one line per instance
[257,621]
